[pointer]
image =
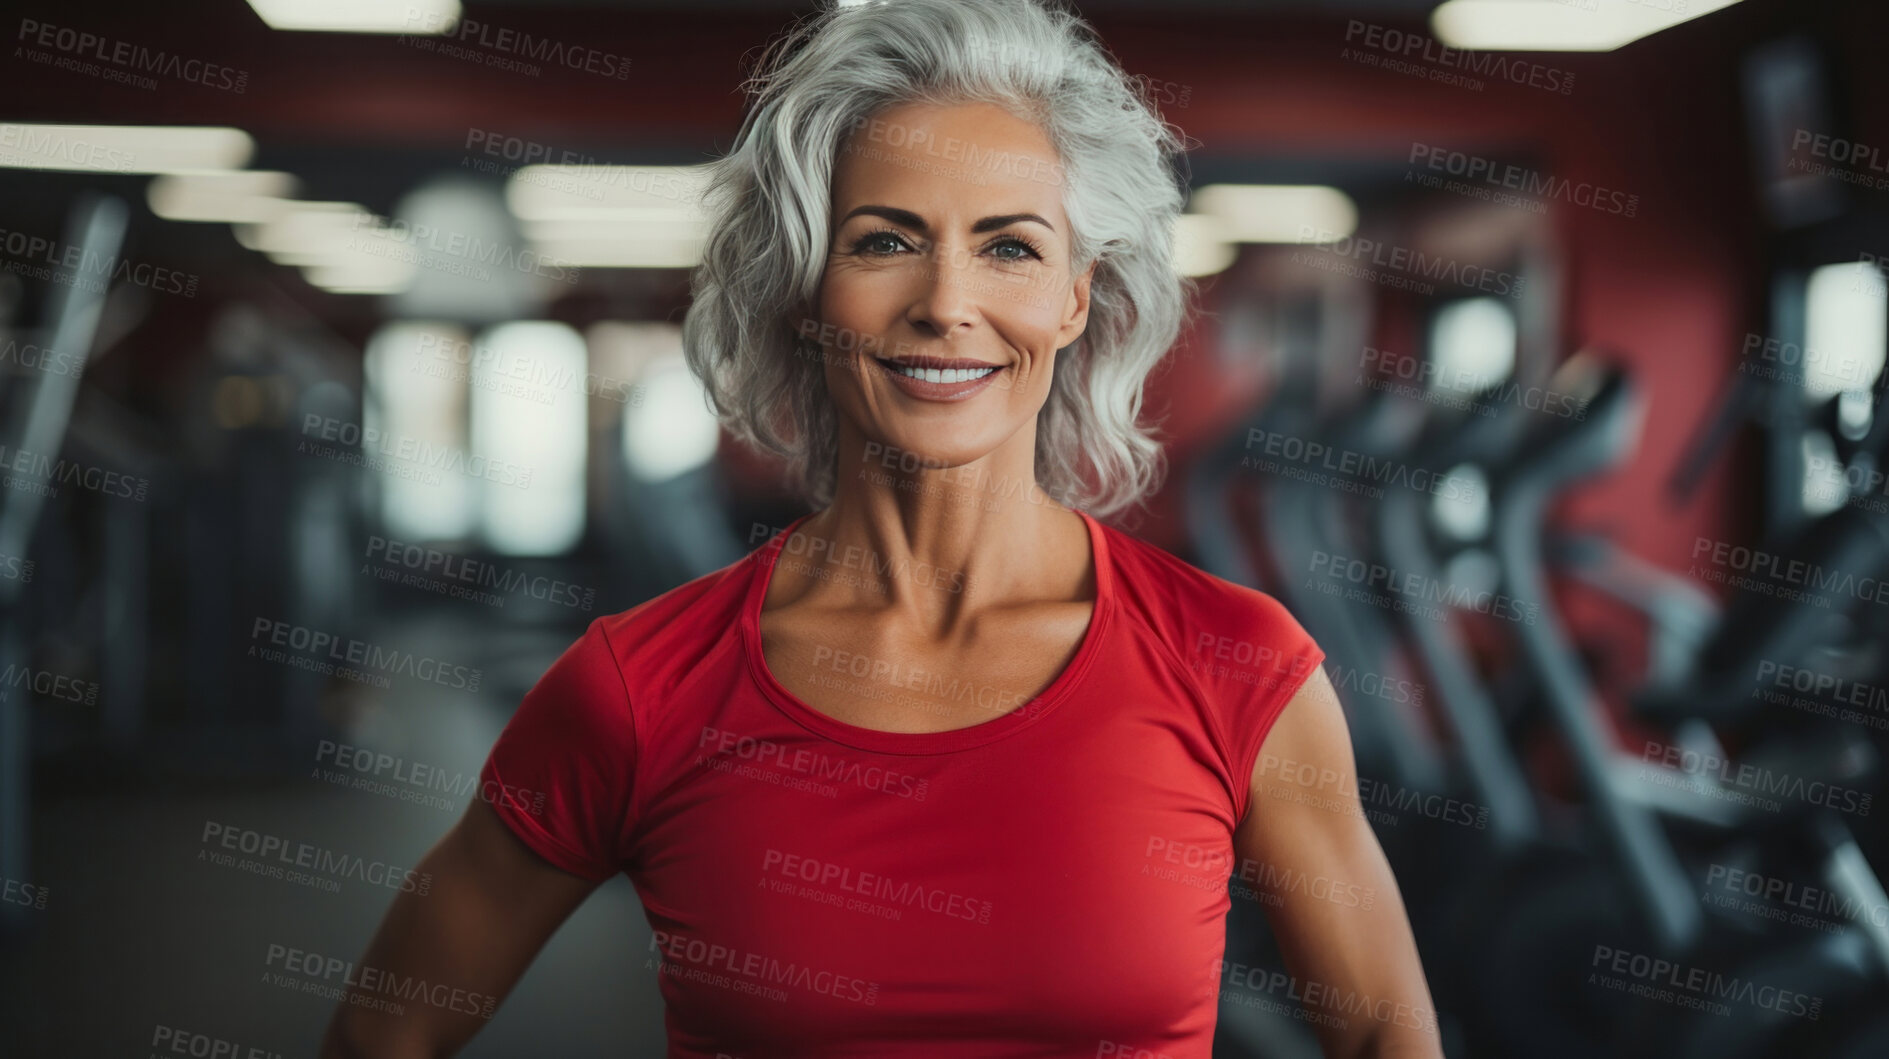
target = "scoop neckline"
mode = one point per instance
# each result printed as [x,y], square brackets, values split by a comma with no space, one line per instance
[947,741]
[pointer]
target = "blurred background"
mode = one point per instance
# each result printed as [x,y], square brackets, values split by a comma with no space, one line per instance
[1539,373]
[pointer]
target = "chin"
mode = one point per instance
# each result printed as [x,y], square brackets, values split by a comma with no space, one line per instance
[926,453]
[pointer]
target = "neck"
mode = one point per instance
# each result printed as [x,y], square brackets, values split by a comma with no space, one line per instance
[943,542]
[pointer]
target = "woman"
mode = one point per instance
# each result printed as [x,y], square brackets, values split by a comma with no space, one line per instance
[949,768]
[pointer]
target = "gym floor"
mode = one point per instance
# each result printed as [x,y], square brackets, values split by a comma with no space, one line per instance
[101,974]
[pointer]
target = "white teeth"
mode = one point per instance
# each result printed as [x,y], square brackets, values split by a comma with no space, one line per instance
[943,374]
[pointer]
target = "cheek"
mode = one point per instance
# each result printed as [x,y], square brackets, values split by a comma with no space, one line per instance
[857,302]
[1027,320]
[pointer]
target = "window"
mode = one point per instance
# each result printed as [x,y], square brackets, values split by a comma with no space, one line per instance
[1846,336]
[414,411]
[1472,344]
[478,438]
[668,429]
[529,431]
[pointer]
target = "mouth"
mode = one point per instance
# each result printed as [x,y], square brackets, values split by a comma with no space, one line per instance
[938,378]
[938,369]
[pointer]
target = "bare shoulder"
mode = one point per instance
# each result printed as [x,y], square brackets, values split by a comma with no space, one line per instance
[1311,729]
[1307,760]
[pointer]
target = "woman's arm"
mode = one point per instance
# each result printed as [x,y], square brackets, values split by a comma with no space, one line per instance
[492,905]
[1338,917]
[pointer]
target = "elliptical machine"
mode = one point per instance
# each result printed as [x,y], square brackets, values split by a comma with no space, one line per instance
[1659,825]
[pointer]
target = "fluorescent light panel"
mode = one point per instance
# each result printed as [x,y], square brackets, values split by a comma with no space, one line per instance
[1275,213]
[1545,25]
[359,16]
[347,279]
[123,148]
[307,232]
[666,230]
[248,196]
[626,253]
[1199,248]
[334,243]
[594,192]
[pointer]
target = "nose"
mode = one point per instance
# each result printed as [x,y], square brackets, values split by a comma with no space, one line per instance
[944,303]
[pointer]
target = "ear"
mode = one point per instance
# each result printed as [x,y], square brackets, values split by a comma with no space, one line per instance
[1076,308]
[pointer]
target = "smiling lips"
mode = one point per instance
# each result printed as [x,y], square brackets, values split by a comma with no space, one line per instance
[938,378]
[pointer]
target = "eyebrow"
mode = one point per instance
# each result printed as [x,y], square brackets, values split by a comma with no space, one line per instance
[912,220]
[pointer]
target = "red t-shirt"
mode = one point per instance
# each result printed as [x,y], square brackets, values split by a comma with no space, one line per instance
[1050,882]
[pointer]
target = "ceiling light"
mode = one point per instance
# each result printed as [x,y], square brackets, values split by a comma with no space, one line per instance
[366,275]
[1548,25]
[624,253]
[665,229]
[594,192]
[1275,213]
[359,16]
[308,232]
[123,148]
[1199,249]
[250,196]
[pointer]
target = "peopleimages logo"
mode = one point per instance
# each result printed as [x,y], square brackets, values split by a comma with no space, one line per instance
[1747,783]
[276,857]
[412,781]
[713,963]
[1410,265]
[320,650]
[25,894]
[717,747]
[445,29]
[38,144]
[1357,466]
[1777,358]
[174,1040]
[462,576]
[1833,156]
[1783,577]
[1822,694]
[423,456]
[48,685]
[1330,1002]
[1319,785]
[901,893]
[31,358]
[1802,904]
[1696,987]
[44,473]
[132,60]
[44,257]
[1446,64]
[1421,588]
[367,986]
[1524,180]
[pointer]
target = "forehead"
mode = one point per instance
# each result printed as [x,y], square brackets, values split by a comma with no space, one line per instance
[962,160]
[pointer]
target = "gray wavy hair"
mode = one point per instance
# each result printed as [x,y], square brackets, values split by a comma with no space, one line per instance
[768,201]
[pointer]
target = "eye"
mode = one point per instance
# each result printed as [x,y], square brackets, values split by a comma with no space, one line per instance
[882,242]
[1024,250]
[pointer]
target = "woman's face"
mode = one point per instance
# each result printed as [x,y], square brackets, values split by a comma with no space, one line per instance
[950,252]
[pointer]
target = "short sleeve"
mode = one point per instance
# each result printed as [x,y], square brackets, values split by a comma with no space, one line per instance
[560,774]
[1254,661]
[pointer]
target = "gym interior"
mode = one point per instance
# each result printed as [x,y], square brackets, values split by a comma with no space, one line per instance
[1539,371]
